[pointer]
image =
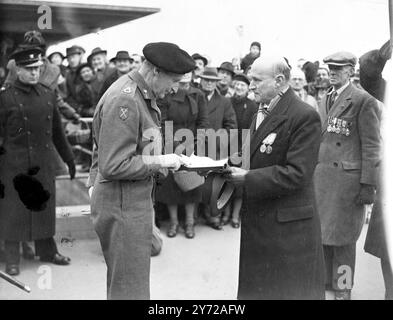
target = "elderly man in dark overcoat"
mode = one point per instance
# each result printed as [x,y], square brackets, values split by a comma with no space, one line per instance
[347,171]
[30,129]
[280,251]
[128,157]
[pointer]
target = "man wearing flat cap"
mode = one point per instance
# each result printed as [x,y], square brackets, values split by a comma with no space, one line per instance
[126,160]
[30,132]
[346,173]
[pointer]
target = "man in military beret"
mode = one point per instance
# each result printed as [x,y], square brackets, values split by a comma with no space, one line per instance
[30,128]
[126,159]
[346,173]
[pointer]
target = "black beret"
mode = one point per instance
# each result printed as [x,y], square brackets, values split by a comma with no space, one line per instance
[169,57]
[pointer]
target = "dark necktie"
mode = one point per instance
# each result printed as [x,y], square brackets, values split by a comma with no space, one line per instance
[332,98]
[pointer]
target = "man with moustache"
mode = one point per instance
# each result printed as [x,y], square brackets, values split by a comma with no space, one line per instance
[127,156]
[280,252]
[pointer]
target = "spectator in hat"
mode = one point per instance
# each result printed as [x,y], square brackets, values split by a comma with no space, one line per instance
[186,108]
[98,60]
[297,83]
[127,157]
[87,91]
[346,174]
[224,86]
[74,55]
[87,95]
[123,64]
[222,117]
[255,52]
[200,63]
[137,61]
[57,59]
[245,110]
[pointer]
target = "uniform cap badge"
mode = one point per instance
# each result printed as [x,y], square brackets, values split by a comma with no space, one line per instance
[123,113]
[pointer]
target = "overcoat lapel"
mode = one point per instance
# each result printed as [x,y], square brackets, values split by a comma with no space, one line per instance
[271,122]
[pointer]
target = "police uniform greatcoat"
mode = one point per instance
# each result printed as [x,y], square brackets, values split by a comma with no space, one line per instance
[30,130]
[349,156]
[121,203]
[281,252]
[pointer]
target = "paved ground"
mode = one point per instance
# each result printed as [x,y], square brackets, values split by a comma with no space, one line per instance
[202,268]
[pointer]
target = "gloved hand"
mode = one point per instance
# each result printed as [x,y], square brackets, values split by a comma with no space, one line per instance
[71,169]
[30,190]
[366,194]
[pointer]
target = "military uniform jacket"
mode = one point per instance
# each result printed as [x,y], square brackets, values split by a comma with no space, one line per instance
[348,157]
[125,123]
[30,129]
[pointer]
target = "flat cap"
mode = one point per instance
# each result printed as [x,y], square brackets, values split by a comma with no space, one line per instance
[341,58]
[169,57]
[74,50]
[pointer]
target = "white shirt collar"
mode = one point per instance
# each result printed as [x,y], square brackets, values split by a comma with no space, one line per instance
[341,89]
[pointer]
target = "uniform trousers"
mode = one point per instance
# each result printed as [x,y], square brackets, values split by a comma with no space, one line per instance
[339,266]
[44,248]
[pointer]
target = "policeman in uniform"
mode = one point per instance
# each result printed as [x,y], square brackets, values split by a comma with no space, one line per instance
[347,169]
[30,128]
[128,142]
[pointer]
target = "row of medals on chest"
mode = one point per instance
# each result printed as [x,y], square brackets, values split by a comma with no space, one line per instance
[339,126]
